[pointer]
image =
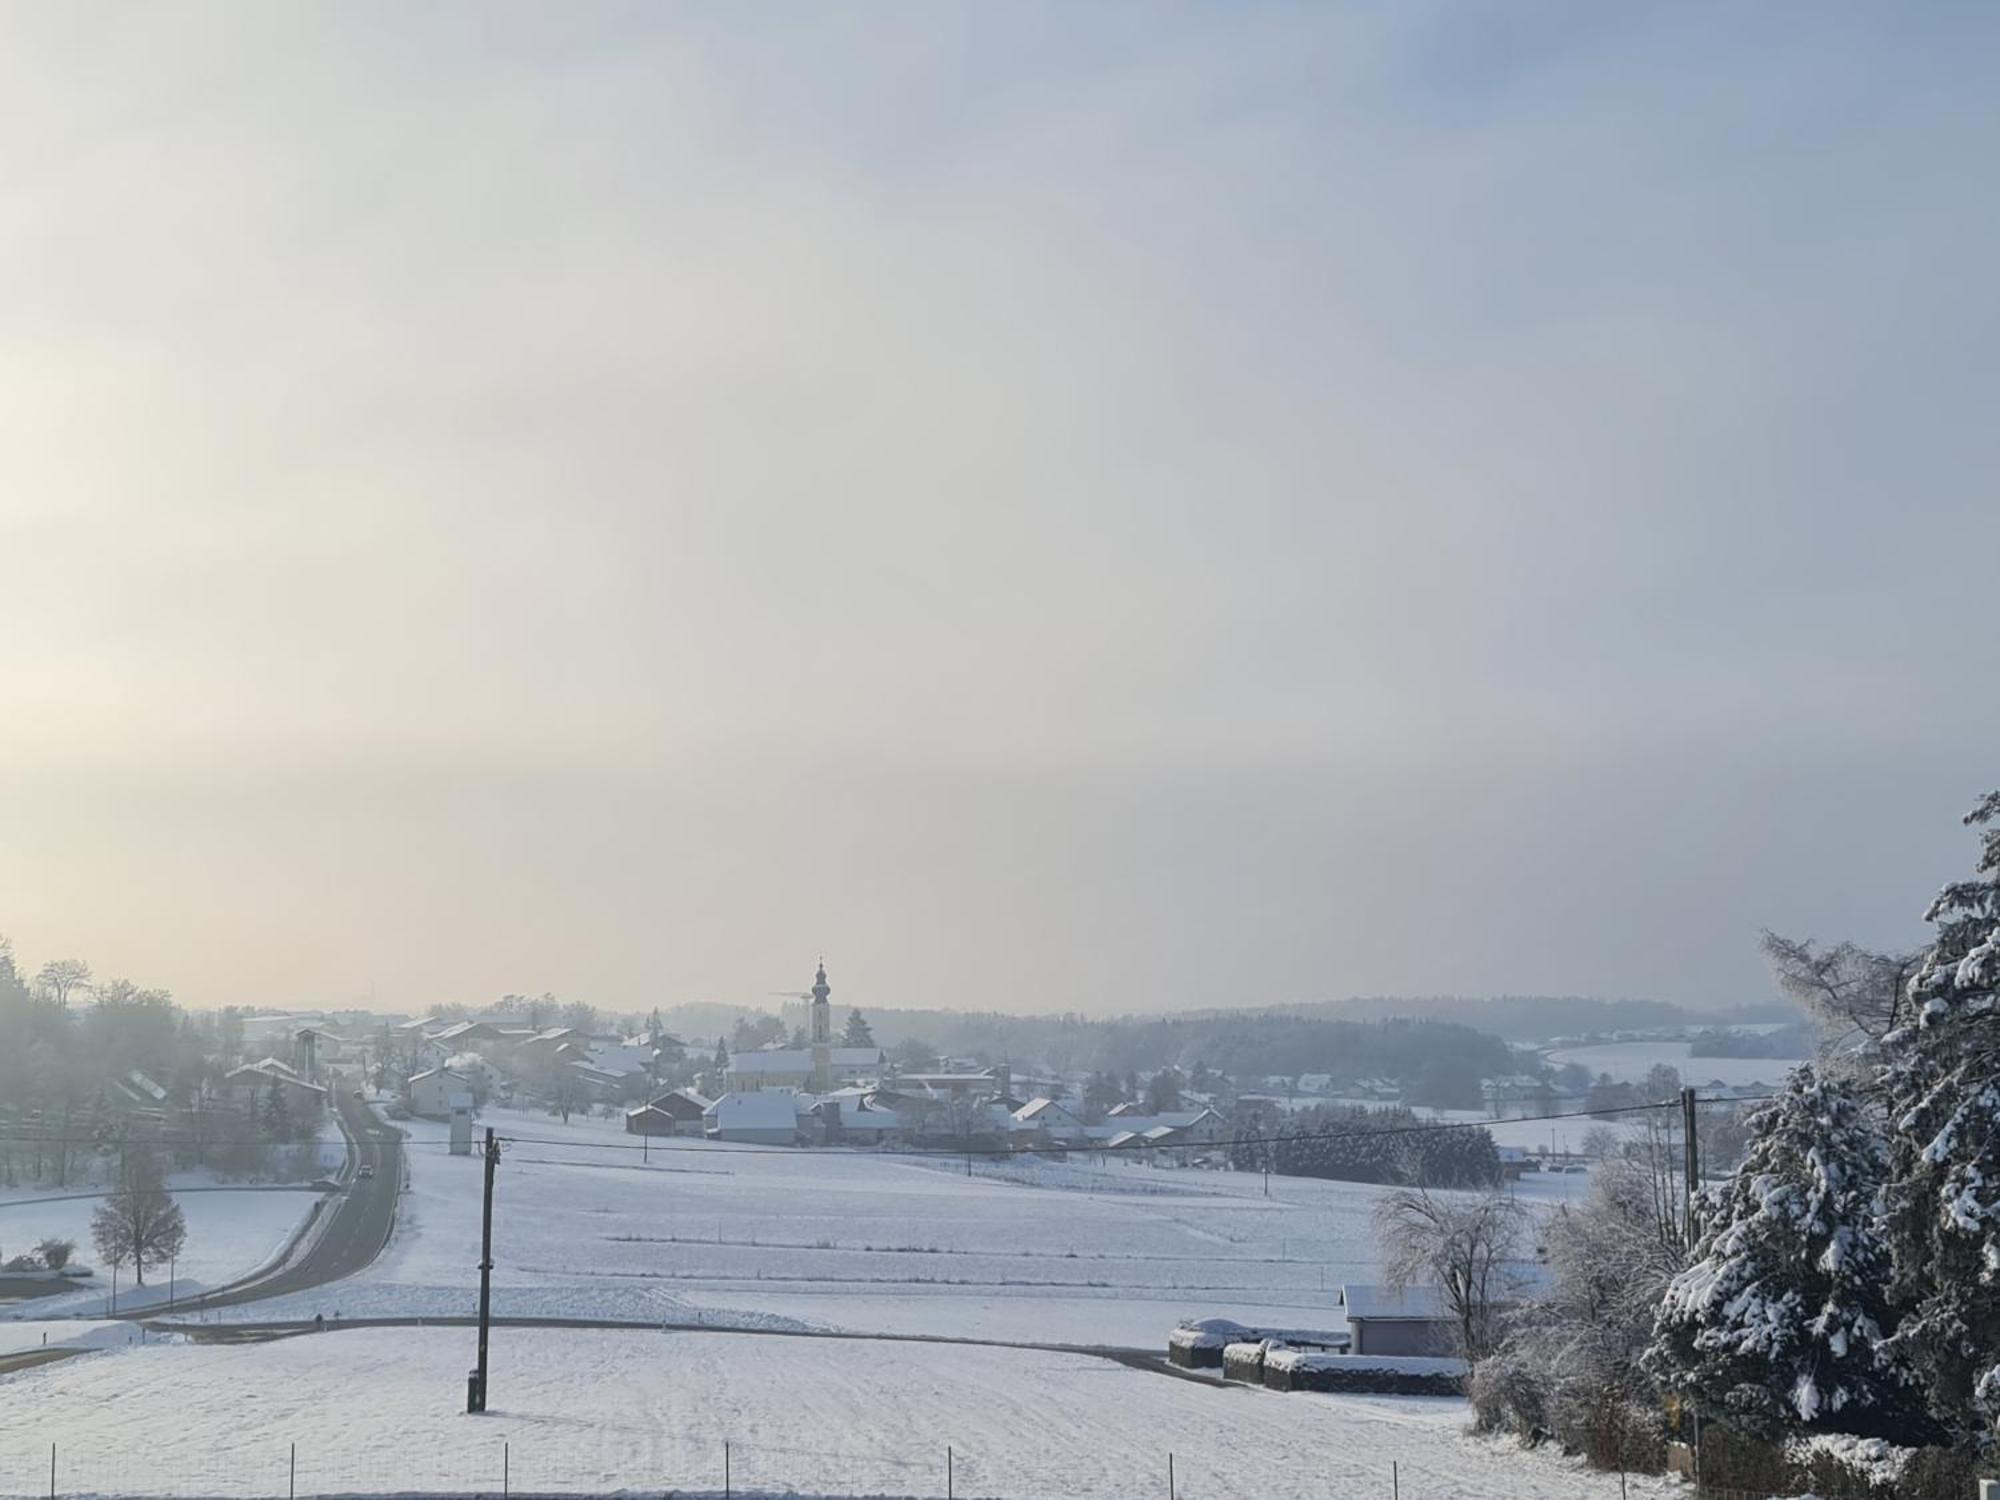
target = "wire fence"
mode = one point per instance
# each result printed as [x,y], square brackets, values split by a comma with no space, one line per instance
[597,1462]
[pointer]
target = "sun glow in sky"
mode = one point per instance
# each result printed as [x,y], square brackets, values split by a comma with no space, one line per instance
[1058,507]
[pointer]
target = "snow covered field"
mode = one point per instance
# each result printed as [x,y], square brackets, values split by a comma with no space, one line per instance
[1030,1250]
[229,1234]
[381,1411]
[769,1243]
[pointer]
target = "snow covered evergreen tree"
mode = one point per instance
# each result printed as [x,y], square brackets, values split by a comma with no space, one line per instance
[1780,1322]
[1942,1085]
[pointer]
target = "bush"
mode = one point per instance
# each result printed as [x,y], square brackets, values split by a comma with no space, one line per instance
[1945,1473]
[1734,1460]
[1507,1396]
[55,1253]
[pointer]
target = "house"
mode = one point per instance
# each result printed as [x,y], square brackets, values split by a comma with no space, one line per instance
[1400,1321]
[852,1117]
[1377,1090]
[758,1117]
[792,1068]
[1517,1094]
[435,1093]
[678,1112]
[1187,1127]
[486,1080]
[249,1086]
[140,1091]
[1049,1120]
[595,1083]
[463,1034]
[957,1085]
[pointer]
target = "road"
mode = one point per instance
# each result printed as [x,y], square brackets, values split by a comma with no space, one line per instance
[363,1214]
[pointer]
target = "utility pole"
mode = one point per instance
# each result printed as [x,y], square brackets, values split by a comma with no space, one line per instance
[1692,1169]
[1691,1146]
[475,1389]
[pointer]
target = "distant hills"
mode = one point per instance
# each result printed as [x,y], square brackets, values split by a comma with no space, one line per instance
[1523,1018]
[1359,1036]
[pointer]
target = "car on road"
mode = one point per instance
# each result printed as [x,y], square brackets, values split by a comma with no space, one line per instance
[367,1170]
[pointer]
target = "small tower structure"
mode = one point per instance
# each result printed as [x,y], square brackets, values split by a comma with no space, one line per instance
[822,1033]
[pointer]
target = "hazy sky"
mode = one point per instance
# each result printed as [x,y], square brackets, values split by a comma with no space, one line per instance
[1086,506]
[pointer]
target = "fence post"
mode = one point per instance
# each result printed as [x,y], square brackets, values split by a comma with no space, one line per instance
[292,1481]
[52,1471]
[1170,1476]
[506,1477]
[725,1470]
[1395,1482]
[948,1495]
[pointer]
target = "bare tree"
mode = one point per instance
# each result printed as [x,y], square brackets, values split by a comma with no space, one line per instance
[1571,1364]
[140,1224]
[59,977]
[1602,1143]
[1467,1249]
[1847,989]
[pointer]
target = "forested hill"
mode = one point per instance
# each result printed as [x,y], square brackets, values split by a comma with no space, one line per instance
[1525,1018]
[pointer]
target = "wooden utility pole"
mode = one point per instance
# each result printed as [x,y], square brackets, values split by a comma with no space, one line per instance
[475,1388]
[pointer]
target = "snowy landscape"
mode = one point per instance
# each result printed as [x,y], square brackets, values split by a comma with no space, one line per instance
[1039,1258]
[913,749]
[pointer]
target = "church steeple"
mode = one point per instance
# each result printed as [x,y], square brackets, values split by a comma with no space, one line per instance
[822,1032]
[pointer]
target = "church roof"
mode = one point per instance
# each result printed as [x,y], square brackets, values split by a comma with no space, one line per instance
[800,1060]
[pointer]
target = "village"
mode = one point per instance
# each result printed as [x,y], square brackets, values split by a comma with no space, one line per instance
[822,1088]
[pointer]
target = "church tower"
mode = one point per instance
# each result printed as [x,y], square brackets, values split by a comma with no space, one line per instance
[822,1033]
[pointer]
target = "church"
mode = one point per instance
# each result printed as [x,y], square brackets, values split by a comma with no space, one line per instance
[816,1069]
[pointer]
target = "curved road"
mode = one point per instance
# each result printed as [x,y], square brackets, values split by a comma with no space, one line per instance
[362,1216]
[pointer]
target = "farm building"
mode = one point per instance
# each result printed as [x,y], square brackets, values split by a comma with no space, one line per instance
[1399,1321]
[678,1112]
[762,1117]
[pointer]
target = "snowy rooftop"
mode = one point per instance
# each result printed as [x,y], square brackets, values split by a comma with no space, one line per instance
[1370,1300]
[800,1059]
[755,1111]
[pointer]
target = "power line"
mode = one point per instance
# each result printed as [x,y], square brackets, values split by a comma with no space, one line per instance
[1429,1127]
[1329,1134]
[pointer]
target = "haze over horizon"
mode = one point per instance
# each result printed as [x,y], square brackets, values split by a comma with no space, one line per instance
[1104,509]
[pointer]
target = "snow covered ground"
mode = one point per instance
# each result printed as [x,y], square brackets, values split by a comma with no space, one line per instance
[230,1233]
[381,1411]
[767,1243]
[1031,1250]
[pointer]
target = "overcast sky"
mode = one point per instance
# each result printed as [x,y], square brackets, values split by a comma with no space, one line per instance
[1080,507]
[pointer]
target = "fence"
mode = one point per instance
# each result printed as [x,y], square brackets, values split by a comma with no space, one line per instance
[657,1465]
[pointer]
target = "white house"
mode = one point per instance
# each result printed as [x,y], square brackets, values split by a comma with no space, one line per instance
[248,1086]
[435,1093]
[1183,1127]
[1051,1121]
[759,1117]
